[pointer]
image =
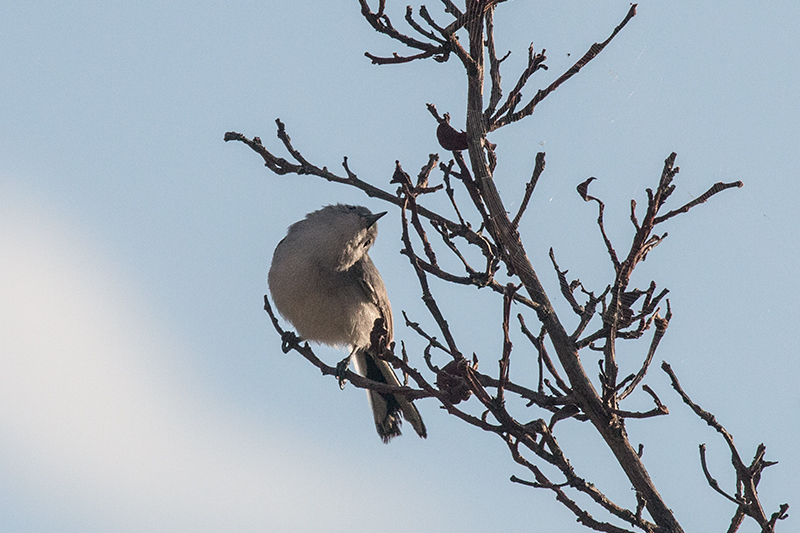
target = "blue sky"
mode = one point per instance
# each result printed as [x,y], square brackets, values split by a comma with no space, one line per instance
[142,387]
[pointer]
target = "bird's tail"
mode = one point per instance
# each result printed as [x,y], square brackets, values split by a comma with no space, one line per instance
[387,408]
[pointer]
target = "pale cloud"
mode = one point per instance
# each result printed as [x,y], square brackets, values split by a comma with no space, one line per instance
[89,419]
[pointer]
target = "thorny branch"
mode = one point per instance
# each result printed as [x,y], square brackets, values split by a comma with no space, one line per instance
[618,313]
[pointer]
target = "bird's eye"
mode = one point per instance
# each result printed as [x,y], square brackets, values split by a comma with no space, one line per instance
[367,243]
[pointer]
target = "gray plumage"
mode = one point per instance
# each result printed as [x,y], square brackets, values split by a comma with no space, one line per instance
[325,284]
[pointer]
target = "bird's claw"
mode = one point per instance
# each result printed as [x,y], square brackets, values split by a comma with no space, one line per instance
[341,371]
[288,341]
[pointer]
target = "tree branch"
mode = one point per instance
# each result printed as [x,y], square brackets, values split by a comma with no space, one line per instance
[747,478]
[498,239]
[511,116]
[381,23]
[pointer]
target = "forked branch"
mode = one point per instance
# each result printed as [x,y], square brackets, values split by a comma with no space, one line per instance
[747,477]
[564,392]
[507,115]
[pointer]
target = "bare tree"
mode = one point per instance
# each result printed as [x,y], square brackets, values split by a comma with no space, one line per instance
[620,312]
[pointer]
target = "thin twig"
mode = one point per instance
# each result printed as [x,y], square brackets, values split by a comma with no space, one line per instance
[511,116]
[710,479]
[505,360]
[281,166]
[661,328]
[290,341]
[583,190]
[535,62]
[747,478]
[540,348]
[538,168]
[717,187]
[427,297]
[382,24]
[566,288]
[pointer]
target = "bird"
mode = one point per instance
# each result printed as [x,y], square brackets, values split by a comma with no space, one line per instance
[324,283]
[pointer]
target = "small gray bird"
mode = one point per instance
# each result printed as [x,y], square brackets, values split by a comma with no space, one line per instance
[325,284]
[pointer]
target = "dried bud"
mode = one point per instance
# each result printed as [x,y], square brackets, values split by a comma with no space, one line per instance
[583,189]
[400,175]
[452,383]
[450,138]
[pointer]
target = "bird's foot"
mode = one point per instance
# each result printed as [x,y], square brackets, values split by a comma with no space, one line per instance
[341,370]
[289,340]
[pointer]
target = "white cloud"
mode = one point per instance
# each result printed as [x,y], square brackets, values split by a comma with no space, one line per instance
[89,420]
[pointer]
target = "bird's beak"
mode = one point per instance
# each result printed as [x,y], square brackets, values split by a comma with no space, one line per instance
[372,219]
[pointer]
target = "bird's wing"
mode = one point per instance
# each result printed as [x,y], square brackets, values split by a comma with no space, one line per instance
[374,289]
